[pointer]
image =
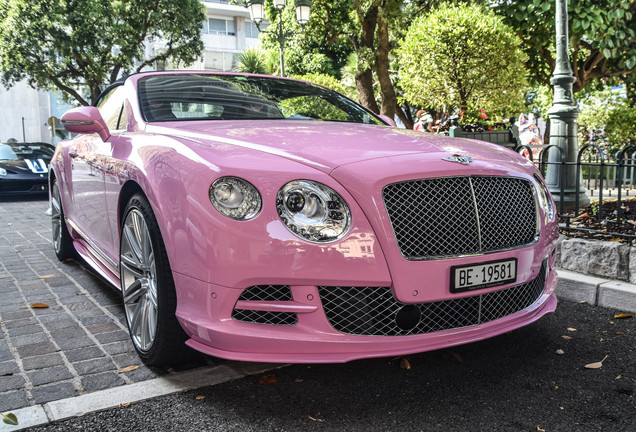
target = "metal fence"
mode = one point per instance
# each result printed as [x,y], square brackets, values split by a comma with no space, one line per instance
[609,181]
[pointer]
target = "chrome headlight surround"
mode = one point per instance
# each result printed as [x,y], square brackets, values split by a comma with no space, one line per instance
[235,198]
[545,199]
[313,211]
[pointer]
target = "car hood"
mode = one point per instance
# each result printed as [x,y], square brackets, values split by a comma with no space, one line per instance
[329,145]
[16,166]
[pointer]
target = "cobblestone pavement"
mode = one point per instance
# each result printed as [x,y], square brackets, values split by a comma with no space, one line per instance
[79,343]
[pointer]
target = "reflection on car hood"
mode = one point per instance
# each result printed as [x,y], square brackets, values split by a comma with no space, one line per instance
[328,145]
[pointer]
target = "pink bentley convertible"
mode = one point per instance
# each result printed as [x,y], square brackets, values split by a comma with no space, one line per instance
[268,219]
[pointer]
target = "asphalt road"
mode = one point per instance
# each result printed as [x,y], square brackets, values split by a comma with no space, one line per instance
[514,382]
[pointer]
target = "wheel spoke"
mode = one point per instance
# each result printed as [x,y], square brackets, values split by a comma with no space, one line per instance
[136,321]
[133,251]
[133,293]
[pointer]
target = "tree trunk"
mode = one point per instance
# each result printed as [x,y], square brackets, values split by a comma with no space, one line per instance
[364,46]
[389,99]
[364,87]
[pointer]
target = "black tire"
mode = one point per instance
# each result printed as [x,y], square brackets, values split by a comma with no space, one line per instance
[148,290]
[62,240]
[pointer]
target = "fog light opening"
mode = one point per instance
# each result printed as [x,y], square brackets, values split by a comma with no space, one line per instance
[408,317]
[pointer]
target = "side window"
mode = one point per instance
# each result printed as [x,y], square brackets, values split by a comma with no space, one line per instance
[111,107]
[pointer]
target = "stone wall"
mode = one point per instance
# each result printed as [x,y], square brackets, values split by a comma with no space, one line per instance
[611,260]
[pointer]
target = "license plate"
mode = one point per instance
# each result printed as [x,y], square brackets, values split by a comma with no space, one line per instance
[484,275]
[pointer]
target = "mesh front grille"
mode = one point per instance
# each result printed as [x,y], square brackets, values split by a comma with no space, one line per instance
[460,215]
[373,311]
[266,293]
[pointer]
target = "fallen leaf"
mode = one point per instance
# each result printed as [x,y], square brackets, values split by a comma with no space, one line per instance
[539,429]
[595,365]
[622,316]
[128,369]
[81,389]
[404,363]
[39,305]
[124,405]
[47,276]
[452,357]
[618,377]
[567,337]
[584,216]
[10,419]
[570,329]
[299,380]
[200,397]
[612,323]
[268,379]
[620,333]
[583,302]
[560,352]
[314,419]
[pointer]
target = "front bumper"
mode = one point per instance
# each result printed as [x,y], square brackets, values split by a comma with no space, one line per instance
[205,312]
[23,184]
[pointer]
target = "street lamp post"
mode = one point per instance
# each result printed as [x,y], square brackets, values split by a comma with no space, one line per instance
[257,14]
[563,123]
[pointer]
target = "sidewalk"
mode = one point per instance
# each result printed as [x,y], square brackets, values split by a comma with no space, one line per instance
[76,345]
[76,348]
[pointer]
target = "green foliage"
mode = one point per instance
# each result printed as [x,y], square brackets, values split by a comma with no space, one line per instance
[602,34]
[82,46]
[253,60]
[461,56]
[606,119]
[621,125]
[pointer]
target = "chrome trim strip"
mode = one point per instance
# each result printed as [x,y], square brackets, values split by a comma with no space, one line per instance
[78,122]
[99,254]
[472,192]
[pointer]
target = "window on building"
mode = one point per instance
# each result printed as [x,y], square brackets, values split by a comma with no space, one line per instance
[219,26]
[251,30]
[217,1]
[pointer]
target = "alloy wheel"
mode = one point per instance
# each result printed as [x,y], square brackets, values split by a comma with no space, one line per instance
[139,280]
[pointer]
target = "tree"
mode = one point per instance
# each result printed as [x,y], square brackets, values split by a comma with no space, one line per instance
[461,56]
[80,46]
[602,34]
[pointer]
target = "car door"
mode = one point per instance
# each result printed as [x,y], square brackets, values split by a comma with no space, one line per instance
[90,169]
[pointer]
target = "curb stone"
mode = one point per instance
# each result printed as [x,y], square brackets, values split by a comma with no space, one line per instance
[597,291]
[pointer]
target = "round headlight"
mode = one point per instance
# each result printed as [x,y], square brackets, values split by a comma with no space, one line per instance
[313,211]
[545,198]
[235,198]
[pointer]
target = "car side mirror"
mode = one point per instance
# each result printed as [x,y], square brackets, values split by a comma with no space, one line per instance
[387,119]
[85,120]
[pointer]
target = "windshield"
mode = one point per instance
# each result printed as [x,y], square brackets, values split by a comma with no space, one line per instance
[237,97]
[23,151]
